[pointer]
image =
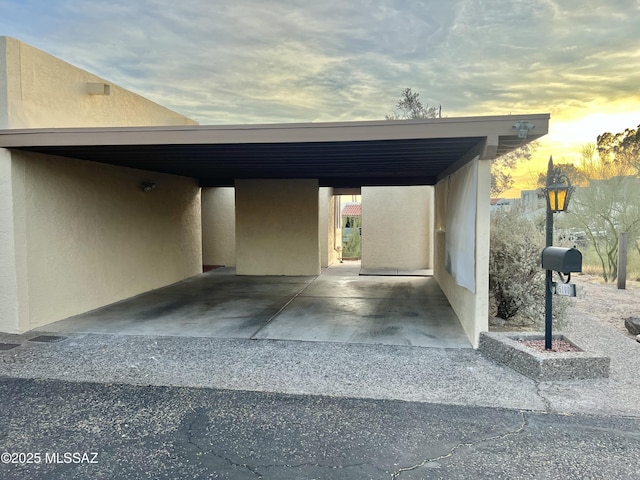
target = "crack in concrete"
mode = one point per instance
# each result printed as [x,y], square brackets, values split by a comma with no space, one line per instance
[190,441]
[318,465]
[399,472]
[255,470]
[547,403]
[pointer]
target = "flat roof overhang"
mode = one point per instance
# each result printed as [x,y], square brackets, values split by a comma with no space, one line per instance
[343,154]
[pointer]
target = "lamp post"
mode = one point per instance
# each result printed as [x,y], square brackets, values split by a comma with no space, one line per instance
[557,192]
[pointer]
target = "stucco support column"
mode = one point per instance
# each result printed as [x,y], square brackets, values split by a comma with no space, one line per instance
[397,228]
[327,213]
[472,308]
[14,303]
[277,227]
[219,226]
[483,240]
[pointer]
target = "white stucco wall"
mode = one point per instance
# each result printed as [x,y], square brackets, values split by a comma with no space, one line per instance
[39,90]
[472,309]
[219,226]
[397,227]
[94,237]
[277,227]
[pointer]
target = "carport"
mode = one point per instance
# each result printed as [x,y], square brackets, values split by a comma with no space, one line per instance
[336,306]
[102,214]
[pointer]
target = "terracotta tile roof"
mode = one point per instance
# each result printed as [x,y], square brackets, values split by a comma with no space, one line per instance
[354,210]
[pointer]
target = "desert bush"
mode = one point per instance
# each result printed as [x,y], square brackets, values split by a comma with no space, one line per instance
[353,246]
[516,279]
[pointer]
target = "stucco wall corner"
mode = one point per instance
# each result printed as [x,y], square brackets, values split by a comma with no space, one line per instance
[94,237]
[13,302]
[472,309]
[4,96]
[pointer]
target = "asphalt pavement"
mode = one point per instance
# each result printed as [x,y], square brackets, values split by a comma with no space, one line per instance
[137,432]
[136,407]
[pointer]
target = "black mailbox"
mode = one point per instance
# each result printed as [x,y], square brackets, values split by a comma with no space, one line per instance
[563,260]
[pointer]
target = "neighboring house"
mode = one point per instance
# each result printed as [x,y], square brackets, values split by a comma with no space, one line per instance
[351,219]
[498,204]
[104,194]
[352,231]
[532,200]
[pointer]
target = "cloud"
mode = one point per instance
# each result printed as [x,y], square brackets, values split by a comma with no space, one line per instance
[288,60]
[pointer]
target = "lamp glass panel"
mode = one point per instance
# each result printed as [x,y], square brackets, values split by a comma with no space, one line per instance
[557,198]
[553,200]
[561,204]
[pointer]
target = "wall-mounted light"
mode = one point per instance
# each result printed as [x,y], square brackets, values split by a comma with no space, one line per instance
[98,88]
[147,186]
[523,128]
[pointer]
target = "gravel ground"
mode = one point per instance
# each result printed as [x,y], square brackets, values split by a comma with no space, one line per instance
[605,302]
[556,345]
[596,299]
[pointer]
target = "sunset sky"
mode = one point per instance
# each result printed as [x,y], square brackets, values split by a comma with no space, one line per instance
[269,61]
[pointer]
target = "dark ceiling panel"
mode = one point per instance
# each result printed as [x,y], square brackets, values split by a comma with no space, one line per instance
[340,164]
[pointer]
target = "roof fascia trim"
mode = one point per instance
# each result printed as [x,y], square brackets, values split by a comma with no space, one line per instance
[277,133]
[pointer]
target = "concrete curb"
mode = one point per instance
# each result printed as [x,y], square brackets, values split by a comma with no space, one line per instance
[505,348]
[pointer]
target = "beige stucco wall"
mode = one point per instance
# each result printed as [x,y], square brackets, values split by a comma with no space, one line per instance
[472,309]
[324,200]
[397,227]
[11,248]
[327,226]
[76,235]
[219,226]
[93,237]
[8,281]
[39,90]
[335,231]
[4,97]
[277,227]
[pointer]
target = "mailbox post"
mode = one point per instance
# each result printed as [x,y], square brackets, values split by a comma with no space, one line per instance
[564,261]
[557,192]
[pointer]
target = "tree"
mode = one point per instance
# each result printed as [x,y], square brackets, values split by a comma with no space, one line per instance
[610,204]
[602,211]
[501,178]
[621,150]
[577,175]
[411,107]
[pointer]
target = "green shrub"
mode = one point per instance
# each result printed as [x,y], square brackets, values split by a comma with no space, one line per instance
[516,280]
[353,246]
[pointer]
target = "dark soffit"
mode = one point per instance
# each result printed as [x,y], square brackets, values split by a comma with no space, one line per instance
[334,163]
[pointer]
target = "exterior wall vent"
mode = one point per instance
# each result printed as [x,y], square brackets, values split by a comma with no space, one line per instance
[94,88]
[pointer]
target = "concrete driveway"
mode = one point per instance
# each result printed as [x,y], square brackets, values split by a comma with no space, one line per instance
[336,306]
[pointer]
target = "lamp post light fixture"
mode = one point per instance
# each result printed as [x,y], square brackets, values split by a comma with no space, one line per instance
[557,192]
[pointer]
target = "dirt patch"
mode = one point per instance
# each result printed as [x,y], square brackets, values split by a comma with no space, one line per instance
[557,346]
[605,302]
